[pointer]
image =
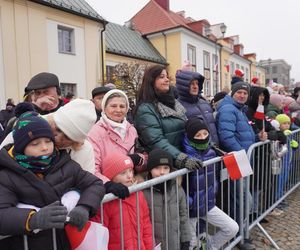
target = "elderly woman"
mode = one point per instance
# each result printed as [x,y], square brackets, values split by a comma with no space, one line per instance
[160,118]
[113,133]
[70,125]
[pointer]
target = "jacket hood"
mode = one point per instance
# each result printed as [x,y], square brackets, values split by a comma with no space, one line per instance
[183,81]
[229,100]
[255,91]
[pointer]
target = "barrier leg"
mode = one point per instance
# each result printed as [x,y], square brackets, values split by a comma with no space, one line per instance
[268,236]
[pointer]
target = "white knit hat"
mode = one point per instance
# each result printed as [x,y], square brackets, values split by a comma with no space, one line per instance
[111,92]
[76,118]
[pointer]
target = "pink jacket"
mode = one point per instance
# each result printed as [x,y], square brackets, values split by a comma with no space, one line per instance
[111,220]
[105,140]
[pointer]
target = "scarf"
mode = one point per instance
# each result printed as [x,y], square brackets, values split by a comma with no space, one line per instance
[199,146]
[167,99]
[119,128]
[37,164]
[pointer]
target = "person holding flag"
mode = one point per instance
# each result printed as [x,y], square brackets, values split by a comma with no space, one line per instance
[235,133]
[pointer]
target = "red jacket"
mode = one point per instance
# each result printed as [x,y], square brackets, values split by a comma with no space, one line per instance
[130,225]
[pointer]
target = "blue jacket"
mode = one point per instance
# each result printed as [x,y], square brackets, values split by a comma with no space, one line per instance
[195,105]
[235,132]
[211,181]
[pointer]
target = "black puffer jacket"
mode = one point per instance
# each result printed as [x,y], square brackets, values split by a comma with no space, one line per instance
[20,185]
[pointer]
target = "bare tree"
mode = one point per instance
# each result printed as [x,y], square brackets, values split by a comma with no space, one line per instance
[128,77]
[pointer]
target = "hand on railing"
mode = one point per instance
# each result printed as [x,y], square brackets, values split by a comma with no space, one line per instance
[191,163]
[51,216]
[79,216]
[117,189]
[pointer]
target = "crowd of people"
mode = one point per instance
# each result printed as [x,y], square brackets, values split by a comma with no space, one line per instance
[50,147]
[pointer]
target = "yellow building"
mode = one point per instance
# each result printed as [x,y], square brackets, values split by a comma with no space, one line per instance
[54,36]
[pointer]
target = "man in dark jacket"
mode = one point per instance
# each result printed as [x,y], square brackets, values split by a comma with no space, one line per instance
[46,92]
[97,96]
[189,86]
[7,113]
[235,133]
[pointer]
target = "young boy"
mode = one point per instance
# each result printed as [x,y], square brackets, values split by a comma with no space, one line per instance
[160,163]
[34,173]
[202,182]
[119,169]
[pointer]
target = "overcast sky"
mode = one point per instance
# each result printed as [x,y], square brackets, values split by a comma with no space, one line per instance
[269,28]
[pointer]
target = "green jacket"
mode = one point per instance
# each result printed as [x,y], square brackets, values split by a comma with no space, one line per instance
[159,126]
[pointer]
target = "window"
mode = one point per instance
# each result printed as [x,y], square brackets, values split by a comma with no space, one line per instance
[206,60]
[191,55]
[110,73]
[68,88]
[237,66]
[246,75]
[274,69]
[231,68]
[66,42]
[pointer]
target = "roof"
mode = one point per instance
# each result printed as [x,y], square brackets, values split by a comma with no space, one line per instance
[77,7]
[153,18]
[122,40]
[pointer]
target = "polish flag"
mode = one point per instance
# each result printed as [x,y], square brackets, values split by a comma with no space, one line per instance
[93,236]
[260,112]
[237,164]
[227,67]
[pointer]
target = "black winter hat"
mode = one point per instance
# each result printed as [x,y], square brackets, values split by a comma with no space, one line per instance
[29,127]
[219,96]
[240,85]
[43,80]
[193,125]
[100,90]
[159,157]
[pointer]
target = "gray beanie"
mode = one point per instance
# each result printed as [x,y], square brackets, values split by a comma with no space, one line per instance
[240,85]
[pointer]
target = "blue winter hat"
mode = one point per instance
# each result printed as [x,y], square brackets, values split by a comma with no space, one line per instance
[29,127]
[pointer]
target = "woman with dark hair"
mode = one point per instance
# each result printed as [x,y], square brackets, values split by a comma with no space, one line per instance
[160,118]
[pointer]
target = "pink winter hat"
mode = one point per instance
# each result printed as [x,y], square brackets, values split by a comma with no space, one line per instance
[276,100]
[287,100]
[115,163]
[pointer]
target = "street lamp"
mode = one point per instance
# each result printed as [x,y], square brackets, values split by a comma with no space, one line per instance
[223,28]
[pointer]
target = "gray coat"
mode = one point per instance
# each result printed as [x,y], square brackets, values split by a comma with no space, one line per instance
[159,220]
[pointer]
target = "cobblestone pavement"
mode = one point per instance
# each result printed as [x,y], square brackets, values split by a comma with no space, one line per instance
[284,229]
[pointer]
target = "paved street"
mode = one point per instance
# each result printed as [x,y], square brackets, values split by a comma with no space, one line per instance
[284,229]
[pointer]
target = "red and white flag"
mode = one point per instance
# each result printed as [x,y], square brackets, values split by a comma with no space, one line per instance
[260,112]
[93,236]
[237,164]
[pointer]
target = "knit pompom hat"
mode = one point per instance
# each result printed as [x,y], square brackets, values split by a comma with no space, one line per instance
[29,127]
[276,100]
[111,92]
[283,118]
[115,163]
[76,118]
[159,157]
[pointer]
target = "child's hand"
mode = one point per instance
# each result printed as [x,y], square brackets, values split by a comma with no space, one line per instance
[117,189]
[287,132]
[79,216]
[294,144]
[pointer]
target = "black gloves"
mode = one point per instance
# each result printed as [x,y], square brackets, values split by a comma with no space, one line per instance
[184,245]
[79,216]
[136,159]
[117,189]
[51,216]
[281,137]
[191,163]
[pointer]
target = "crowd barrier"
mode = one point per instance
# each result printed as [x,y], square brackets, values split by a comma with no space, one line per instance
[273,179]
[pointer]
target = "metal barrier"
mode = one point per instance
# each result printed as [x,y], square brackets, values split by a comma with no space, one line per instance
[223,202]
[268,187]
[275,176]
